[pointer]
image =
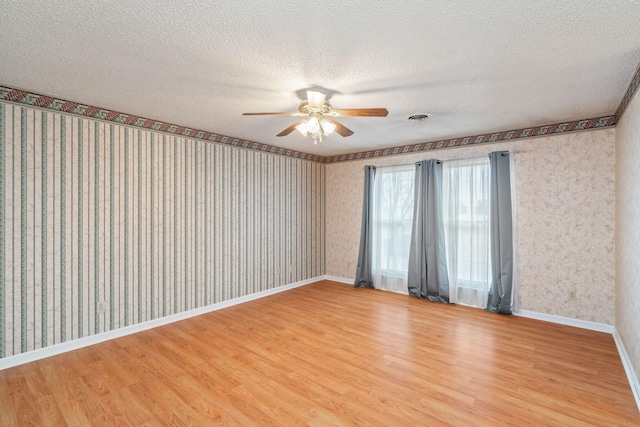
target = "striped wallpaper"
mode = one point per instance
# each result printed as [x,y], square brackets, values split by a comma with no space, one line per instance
[104,225]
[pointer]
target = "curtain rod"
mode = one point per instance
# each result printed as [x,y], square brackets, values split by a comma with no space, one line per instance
[447,160]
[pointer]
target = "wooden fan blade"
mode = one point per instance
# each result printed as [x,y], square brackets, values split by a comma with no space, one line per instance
[363,112]
[340,128]
[291,128]
[278,113]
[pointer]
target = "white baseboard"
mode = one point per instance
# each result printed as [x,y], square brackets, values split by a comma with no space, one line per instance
[339,279]
[600,327]
[628,368]
[30,356]
[53,350]
[584,324]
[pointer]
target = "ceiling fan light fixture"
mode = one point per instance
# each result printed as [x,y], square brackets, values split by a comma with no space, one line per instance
[315,99]
[303,128]
[309,126]
[327,127]
[319,115]
[316,127]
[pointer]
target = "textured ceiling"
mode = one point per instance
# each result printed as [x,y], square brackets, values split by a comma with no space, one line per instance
[477,67]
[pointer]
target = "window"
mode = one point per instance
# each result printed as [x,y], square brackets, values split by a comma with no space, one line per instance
[391,226]
[466,218]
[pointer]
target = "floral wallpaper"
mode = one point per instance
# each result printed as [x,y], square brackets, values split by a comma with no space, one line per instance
[565,224]
[628,230]
[565,208]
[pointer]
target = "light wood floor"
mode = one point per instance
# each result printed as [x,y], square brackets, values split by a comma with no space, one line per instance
[328,354]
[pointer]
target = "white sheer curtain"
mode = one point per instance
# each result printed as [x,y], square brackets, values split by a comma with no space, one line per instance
[465,195]
[391,227]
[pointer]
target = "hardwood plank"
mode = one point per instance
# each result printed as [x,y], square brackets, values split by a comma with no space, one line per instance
[117,410]
[170,374]
[329,354]
[75,410]
[8,415]
[49,412]
[21,399]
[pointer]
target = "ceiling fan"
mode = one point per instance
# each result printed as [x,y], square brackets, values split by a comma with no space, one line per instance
[318,117]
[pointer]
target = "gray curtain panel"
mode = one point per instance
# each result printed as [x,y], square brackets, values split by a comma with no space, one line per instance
[500,300]
[428,276]
[364,278]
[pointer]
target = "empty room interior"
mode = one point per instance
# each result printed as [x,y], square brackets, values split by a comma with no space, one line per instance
[319,213]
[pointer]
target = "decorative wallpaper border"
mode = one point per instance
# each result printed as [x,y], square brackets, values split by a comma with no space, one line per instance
[574,126]
[631,90]
[75,108]
[578,125]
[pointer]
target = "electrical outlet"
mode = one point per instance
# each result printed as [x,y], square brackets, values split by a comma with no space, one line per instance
[100,307]
[572,295]
[278,270]
[291,268]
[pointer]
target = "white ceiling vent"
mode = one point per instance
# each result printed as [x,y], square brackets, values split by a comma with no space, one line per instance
[418,117]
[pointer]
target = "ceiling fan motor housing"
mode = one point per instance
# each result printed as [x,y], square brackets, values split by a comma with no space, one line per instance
[305,108]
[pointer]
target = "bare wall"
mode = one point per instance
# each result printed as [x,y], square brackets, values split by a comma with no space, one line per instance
[565,212]
[628,230]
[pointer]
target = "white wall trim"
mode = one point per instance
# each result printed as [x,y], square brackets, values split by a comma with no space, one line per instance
[339,279]
[584,324]
[632,377]
[41,353]
[20,359]
[628,368]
